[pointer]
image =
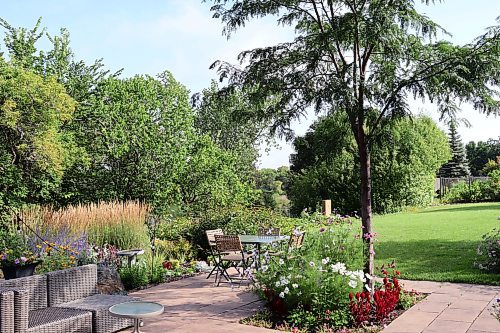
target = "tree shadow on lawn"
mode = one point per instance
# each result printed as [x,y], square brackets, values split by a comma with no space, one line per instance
[434,260]
[461,208]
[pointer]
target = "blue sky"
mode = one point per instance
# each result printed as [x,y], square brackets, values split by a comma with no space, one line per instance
[149,36]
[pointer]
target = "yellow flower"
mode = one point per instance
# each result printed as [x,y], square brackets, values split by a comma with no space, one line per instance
[38,246]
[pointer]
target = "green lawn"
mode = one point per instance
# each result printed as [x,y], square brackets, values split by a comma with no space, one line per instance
[437,243]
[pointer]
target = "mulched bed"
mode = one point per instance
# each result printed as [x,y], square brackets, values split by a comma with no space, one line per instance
[263,319]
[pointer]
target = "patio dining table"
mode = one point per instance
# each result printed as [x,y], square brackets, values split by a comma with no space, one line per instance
[259,240]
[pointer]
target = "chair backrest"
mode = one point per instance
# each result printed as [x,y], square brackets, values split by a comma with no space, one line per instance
[71,284]
[228,243]
[36,286]
[271,231]
[211,235]
[296,240]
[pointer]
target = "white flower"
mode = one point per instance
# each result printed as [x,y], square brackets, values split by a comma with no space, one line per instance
[312,264]
[278,283]
[286,291]
[353,283]
[299,293]
[282,295]
[295,286]
[281,262]
[367,287]
[339,268]
[325,261]
[264,268]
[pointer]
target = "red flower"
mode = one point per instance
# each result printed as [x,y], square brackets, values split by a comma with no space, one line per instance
[167,265]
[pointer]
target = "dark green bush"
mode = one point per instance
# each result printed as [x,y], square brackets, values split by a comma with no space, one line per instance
[135,276]
[476,191]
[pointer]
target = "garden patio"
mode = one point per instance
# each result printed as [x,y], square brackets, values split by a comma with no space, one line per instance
[195,305]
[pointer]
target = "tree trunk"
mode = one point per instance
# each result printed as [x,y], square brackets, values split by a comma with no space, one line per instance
[366,200]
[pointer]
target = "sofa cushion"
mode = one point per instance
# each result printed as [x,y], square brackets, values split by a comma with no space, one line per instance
[71,284]
[59,320]
[36,286]
[102,319]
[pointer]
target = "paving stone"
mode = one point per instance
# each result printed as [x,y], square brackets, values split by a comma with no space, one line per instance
[430,306]
[411,321]
[465,315]
[468,304]
[486,324]
[448,326]
[442,298]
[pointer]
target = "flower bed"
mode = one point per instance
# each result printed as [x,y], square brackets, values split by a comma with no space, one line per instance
[321,287]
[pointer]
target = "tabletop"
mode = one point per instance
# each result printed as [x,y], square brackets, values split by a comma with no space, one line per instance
[255,239]
[136,309]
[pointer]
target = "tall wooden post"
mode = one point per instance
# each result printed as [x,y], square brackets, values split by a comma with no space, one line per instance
[326,207]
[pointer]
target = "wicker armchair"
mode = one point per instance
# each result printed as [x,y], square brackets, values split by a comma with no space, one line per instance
[23,309]
[76,288]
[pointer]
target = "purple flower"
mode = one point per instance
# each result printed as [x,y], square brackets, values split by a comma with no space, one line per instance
[24,259]
[16,261]
[4,257]
[322,229]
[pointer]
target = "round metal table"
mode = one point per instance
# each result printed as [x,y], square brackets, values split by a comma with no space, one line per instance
[136,310]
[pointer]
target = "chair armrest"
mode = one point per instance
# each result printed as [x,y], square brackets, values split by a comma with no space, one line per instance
[6,311]
[21,310]
[14,310]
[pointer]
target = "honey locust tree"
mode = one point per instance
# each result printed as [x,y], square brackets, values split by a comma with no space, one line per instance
[365,58]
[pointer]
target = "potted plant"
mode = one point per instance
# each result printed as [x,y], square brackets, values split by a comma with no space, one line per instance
[16,258]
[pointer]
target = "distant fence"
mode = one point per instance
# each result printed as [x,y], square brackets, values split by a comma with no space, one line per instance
[442,185]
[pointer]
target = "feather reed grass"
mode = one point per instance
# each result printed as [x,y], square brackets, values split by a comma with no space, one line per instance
[115,223]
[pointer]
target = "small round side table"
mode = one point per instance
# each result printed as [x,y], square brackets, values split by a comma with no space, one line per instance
[136,310]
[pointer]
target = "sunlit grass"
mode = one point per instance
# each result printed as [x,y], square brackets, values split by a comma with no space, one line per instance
[438,243]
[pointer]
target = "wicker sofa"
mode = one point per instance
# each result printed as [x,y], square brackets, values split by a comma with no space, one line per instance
[58,302]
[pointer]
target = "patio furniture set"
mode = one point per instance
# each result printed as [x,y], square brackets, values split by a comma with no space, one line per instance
[66,301]
[229,251]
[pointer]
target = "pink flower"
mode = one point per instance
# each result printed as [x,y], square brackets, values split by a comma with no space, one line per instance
[24,259]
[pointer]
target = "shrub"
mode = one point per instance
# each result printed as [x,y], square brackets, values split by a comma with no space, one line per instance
[462,192]
[310,287]
[135,276]
[181,249]
[233,220]
[488,252]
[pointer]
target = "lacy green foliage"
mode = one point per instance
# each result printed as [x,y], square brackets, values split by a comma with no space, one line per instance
[310,286]
[405,159]
[34,151]
[488,252]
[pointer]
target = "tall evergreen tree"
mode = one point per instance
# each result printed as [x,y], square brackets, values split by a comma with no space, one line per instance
[457,166]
